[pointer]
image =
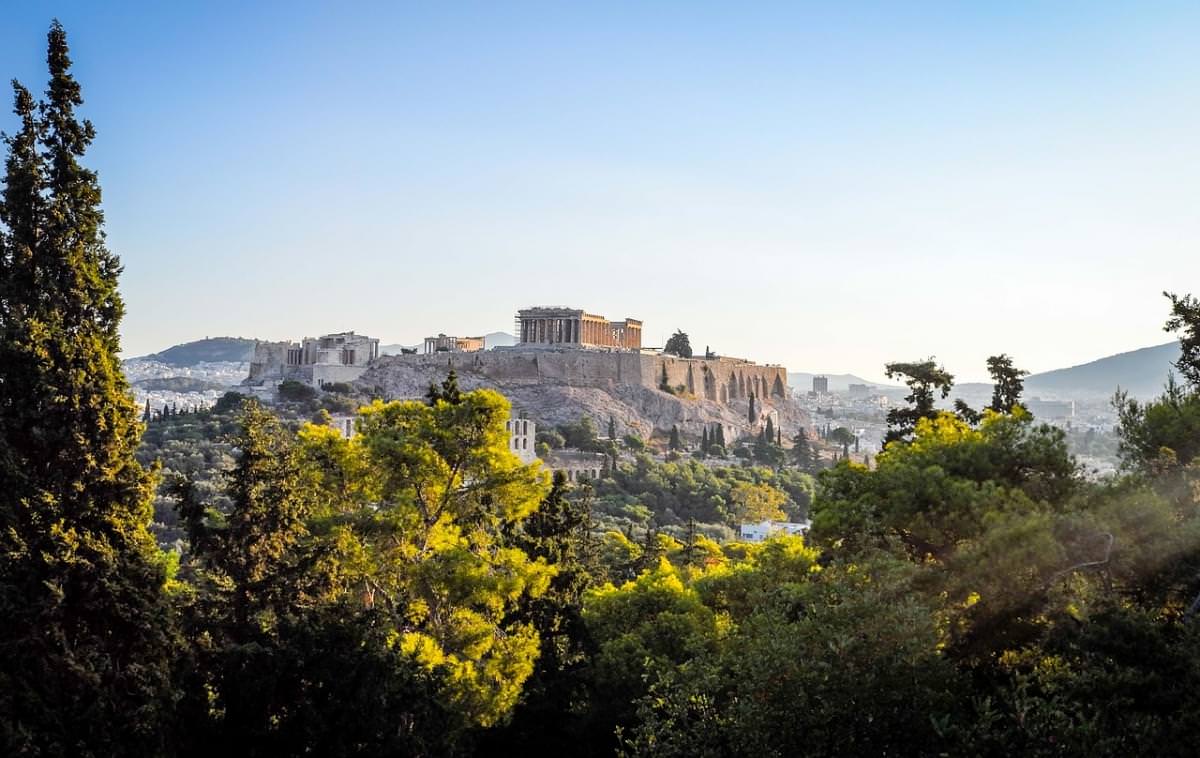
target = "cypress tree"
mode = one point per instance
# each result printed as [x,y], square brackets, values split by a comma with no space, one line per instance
[721,435]
[770,430]
[753,414]
[801,453]
[704,441]
[86,638]
[612,428]
[675,443]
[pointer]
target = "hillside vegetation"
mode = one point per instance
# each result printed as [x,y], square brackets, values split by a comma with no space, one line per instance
[208,350]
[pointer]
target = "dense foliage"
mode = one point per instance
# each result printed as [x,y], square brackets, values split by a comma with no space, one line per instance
[418,590]
[85,641]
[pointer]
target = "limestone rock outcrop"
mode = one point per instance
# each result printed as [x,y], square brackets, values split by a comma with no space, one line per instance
[555,386]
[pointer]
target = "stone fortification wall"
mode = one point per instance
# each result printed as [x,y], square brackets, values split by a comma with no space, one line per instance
[555,386]
[722,380]
[269,359]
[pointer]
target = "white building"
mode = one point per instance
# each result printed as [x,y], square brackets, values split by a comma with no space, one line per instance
[316,361]
[344,423]
[522,434]
[765,529]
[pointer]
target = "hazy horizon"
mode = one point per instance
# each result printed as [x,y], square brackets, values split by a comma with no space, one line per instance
[822,189]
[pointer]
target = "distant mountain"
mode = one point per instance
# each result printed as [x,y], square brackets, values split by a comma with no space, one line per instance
[498,339]
[494,339]
[837,382]
[234,349]
[1142,373]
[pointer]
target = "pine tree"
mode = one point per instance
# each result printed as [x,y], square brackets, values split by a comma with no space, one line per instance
[448,392]
[86,640]
[652,549]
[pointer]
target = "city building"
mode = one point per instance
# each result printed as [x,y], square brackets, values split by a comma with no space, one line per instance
[522,436]
[577,465]
[1050,409]
[820,385]
[445,344]
[572,327]
[859,390]
[765,529]
[315,361]
[344,424]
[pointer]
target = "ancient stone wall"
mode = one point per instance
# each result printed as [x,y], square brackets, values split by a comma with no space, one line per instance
[722,380]
[268,360]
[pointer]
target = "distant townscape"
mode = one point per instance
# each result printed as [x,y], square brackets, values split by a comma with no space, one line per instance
[567,362]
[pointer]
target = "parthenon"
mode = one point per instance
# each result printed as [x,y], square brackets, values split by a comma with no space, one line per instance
[575,327]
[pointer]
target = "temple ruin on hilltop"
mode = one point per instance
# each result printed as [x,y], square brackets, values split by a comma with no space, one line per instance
[448,344]
[566,327]
[315,361]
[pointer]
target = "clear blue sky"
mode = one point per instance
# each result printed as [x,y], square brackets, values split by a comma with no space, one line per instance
[827,186]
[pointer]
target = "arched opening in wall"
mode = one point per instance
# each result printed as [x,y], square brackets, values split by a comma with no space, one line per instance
[710,385]
[777,389]
[741,385]
[724,394]
[691,381]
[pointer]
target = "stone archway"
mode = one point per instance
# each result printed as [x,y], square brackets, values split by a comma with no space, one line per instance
[777,389]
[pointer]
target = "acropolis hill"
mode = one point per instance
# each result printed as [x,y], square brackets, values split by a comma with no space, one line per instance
[570,363]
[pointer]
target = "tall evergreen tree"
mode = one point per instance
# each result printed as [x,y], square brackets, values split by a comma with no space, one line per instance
[86,638]
[448,392]
[801,452]
[1008,383]
[721,435]
[553,533]
[752,415]
[926,380]
[1185,318]
[770,430]
[704,441]
[612,428]
[675,443]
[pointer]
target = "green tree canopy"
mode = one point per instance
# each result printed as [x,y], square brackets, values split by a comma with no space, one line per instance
[926,380]
[678,344]
[86,637]
[1008,383]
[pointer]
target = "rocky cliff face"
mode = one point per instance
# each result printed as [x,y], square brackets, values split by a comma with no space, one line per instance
[555,387]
